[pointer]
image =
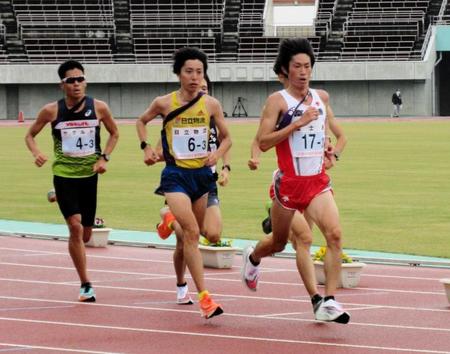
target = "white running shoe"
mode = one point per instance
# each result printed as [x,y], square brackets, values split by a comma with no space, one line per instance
[331,311]
[183,297]
[249,272]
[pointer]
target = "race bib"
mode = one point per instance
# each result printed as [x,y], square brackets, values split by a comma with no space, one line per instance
[308,144]
[190,143]
[77,142]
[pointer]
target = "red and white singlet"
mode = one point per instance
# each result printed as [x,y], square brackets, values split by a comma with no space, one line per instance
[302,153]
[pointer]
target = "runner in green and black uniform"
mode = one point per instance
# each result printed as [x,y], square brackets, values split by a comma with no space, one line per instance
[75,122]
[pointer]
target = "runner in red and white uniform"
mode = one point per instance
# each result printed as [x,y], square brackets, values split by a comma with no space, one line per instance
[294,121]
[301,175]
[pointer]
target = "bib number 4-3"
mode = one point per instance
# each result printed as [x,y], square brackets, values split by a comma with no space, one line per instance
[78,142]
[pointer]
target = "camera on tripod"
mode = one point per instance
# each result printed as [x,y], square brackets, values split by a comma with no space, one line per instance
[239,109]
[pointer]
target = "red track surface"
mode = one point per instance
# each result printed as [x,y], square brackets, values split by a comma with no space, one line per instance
[394,309]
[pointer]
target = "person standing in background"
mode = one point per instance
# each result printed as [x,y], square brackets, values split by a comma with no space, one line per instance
[397,102]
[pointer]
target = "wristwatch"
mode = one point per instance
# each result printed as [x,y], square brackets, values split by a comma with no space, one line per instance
[226,167]
[143,145]
[106,157]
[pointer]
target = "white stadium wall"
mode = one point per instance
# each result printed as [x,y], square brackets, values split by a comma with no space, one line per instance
[356,88]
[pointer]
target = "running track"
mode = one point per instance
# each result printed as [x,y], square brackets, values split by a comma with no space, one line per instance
[395,309]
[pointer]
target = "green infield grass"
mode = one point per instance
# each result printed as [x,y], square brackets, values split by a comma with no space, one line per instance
[391,185]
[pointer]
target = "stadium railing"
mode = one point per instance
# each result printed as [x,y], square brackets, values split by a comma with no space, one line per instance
[389,5]
[160,27]
[3,55]
[52,31]
[160,50]
[259,49]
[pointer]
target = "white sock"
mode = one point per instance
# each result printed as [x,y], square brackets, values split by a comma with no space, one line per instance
[182,291]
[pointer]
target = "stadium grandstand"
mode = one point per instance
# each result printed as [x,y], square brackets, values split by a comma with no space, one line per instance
[365,50]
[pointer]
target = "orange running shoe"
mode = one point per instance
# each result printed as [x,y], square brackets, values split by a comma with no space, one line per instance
[165,226]
[209,308]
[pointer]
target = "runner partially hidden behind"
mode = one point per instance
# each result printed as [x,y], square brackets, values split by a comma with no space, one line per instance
[187,177]
[300,182]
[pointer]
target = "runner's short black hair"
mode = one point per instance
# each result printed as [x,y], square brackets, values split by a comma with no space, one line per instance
[188,53]
[277,68]
[69,65]
[290,47]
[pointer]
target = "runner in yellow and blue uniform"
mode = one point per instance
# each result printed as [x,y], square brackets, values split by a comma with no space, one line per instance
[187,177]
[212,223]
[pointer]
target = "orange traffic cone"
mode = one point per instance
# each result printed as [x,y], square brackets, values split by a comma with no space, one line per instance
[20,118]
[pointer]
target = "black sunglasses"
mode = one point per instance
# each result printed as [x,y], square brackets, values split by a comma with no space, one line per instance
[72,79]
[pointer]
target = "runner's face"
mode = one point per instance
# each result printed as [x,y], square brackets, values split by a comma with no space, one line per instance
[300,70]
[77,89]
[191,75]
[204,86]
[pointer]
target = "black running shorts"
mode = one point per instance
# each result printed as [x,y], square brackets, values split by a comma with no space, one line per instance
[77,196]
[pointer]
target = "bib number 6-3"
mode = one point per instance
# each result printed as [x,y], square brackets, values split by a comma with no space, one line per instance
[192,144]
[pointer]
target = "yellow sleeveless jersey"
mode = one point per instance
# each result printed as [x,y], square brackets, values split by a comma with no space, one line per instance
[185,137]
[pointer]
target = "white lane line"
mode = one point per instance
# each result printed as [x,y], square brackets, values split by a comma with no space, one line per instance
[352,309]
[366,308]
[282,314]
[184,310]
[37,254]
[224,336]
[208,277]
[26,346]
[120,280]
[90,270]
[10,350]
[345,294]
[158,303]
[35,308]
[267,269]
[173,302]
[398,277]
[360,293]
[52,253]
[254,298]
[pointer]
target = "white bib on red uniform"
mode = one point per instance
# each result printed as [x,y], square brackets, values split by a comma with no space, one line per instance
[302,153]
